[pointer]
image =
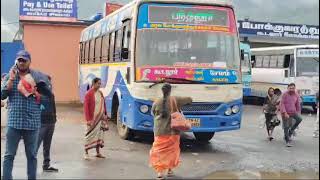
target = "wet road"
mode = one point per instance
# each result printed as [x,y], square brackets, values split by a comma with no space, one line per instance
[245,153]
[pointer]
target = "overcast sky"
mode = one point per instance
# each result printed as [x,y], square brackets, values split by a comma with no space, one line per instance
[281,11]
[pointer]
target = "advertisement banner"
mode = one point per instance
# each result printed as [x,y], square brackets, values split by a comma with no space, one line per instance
[48,10]
[155,73]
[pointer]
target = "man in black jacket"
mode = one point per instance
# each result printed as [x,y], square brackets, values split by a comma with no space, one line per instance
[48,120]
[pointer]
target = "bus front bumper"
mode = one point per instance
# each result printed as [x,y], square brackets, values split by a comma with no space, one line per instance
[202,123]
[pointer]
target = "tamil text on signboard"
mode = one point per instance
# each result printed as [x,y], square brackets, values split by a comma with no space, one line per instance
[252,28]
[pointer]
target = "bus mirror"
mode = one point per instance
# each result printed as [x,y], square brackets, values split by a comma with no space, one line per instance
[125,53]
[242,54]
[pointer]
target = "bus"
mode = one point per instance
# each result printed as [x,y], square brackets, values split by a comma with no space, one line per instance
[278,66]
[246,69]
[193,45]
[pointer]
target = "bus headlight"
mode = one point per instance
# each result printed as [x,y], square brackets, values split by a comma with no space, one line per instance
[144,109]
[228,112]
[235,109]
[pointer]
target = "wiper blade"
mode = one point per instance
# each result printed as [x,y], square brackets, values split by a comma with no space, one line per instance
[167,79]
[158,82]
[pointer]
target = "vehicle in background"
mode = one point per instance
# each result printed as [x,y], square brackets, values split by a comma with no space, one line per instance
[278,66]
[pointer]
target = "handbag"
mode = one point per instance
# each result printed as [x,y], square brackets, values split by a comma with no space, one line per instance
[104,125]
[178,121]
[275,121]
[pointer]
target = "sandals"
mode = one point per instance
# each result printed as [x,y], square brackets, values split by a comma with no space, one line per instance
[86,157]
[160,176]
[100,156]
[170,173]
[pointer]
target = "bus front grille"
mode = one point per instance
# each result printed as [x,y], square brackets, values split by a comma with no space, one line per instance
[200,107]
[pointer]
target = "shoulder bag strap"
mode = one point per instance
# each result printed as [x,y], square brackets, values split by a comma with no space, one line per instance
[175,104]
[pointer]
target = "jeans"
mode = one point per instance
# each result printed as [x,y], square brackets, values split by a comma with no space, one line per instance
[30,138]
[289,127]
[45,136]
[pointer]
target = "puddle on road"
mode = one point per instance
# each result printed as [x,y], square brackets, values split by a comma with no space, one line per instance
[262,175]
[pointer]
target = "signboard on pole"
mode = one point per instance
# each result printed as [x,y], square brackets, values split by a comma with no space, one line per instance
[48,10]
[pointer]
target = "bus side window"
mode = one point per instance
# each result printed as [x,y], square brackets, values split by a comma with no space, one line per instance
[117,51]
[292,72]
[280,63]
[81,53]
[259,60]
[253,61]
[86,60]
[125,53]
[286,61]
[91,52]
[105,48]
[286,65]
[112,44]
[266,61]
[273,61]
[97,51]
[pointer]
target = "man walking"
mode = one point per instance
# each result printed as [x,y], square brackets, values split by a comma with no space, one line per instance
[48,120]
[290,110]
[23,113]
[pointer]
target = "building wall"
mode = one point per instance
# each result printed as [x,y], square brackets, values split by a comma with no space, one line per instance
[54,50]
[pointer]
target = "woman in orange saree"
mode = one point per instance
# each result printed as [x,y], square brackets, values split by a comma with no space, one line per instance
[165,151]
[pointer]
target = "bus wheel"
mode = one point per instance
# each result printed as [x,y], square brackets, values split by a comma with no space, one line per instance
[123,130]
[203,136]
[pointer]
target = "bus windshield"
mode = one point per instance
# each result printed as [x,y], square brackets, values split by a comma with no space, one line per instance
[175,47]
[245,64]
[307,62]
[179,41]
[308,66]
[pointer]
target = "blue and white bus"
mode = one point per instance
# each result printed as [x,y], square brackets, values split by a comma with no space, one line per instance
[194,45]
[246,69]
